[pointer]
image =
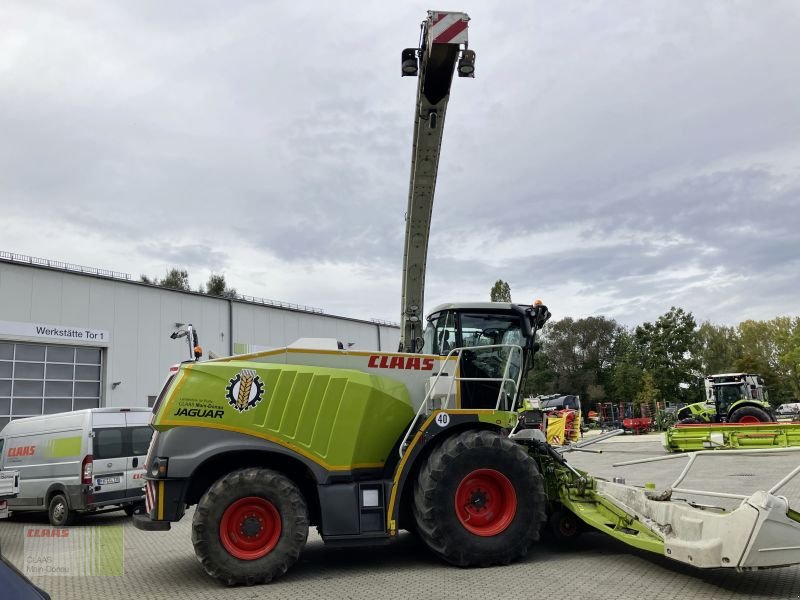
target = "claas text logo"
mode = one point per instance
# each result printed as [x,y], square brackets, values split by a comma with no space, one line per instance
[245,390]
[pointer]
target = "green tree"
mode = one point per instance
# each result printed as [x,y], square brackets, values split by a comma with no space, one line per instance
[771,349]
[579,356]
[668,350]
[626,373]
[501,291]
[718,348]
[176,279]
[649,393]
[216,286]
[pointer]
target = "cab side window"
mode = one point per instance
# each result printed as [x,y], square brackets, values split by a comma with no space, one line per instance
[440,334]
[446,333]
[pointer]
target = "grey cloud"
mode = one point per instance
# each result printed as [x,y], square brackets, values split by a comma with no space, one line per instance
[288,127]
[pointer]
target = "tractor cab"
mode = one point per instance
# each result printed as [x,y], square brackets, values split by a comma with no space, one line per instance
[496,342]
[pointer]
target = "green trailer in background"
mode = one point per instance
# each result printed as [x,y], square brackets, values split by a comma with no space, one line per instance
[728,436]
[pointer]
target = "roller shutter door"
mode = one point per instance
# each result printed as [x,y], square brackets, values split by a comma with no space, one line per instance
[40,379]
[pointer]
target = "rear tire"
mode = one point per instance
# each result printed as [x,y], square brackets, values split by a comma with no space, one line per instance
[479,500]
[565,527]
[250,527]
[750,414]
[58,511]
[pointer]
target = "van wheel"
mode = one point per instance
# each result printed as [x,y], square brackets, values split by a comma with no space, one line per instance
[250,526]
[133,509]
[58,511]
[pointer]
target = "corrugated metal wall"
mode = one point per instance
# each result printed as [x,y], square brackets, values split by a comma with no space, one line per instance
[140,319]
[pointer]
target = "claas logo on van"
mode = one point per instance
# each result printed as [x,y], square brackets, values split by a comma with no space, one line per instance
[22,451]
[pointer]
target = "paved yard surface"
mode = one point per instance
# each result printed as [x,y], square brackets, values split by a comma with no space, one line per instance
[162,565]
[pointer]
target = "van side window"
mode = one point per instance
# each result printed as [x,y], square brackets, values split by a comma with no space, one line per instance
[108,443]
[140,440]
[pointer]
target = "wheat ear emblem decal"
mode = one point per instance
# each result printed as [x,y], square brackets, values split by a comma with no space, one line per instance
[245,390]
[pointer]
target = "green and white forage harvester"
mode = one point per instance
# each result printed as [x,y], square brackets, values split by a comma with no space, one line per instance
[366,444]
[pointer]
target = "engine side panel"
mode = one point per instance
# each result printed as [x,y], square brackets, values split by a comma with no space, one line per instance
[339,419]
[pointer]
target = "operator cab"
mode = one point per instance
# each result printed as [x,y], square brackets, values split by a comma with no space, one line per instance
[489,331]
[724,390]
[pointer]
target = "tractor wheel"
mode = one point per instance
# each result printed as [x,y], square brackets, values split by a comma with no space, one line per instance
[479,500]
[250,527]
[690,421]
[750,414]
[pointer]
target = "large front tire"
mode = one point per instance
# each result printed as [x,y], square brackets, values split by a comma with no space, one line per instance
[750,414]
[250,527]
[479,500]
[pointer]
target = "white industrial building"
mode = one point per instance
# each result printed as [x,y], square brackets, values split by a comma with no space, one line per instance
[75,337]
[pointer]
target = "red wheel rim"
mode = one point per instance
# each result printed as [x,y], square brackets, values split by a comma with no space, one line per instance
[250,528]
[749,419]
[485,502]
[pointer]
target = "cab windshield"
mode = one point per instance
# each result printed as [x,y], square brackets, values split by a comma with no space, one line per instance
[728,394]
[442,333]
[489,330]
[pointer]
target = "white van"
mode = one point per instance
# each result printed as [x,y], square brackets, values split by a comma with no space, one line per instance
[78,461]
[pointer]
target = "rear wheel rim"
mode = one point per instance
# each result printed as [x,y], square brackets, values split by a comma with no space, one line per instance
[250,528]
[485,502]
[749,419]
[567,527]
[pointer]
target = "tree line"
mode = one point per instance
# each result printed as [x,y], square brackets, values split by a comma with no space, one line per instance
[178,279]
[663,361]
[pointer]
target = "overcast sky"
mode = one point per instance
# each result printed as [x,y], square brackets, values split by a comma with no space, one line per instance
[610,157]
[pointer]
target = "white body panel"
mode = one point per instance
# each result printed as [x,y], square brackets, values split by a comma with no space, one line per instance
[758,534]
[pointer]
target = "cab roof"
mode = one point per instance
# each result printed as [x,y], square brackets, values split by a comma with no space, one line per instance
[499,306]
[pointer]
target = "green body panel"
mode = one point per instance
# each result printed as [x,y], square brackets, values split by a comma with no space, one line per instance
[501,418]
[576,492]
[64,447]
[722,436]
[340,419]
[607,517]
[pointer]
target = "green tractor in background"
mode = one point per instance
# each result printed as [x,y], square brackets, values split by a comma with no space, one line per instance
[730,398]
